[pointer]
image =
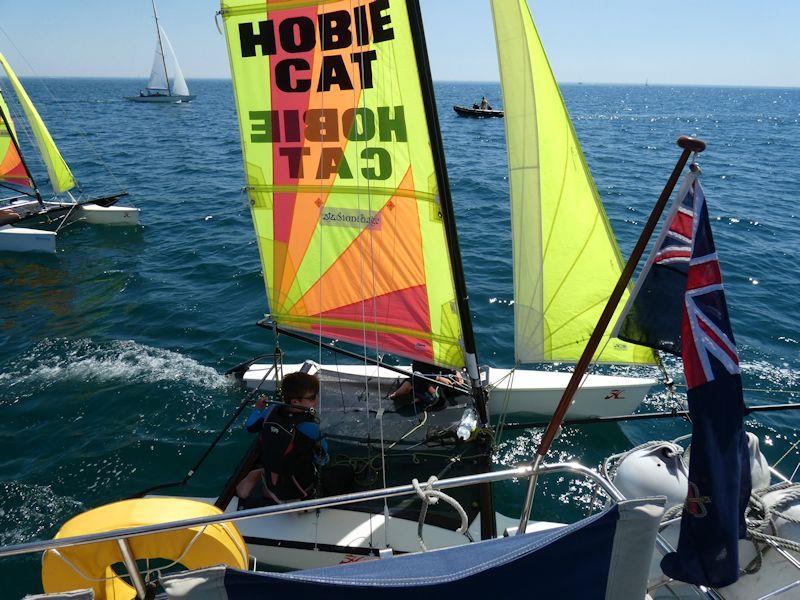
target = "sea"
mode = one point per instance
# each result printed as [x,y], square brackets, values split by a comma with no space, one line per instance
[112,351]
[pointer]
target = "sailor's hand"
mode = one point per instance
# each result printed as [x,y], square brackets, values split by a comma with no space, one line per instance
[321,457]
[261,402]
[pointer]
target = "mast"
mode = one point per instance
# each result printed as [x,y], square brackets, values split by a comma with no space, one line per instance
[161,47]
[13,137]
[488,525]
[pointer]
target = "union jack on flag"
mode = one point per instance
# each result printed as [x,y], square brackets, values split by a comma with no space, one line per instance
[706,329]
[676,246]
[685,273]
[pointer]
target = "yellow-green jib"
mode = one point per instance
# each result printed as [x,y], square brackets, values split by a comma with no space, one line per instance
[566,259]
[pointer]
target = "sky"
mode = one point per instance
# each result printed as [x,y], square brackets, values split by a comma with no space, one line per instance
[714,42]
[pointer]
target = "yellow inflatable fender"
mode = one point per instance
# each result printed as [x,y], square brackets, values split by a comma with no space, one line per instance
[89,565]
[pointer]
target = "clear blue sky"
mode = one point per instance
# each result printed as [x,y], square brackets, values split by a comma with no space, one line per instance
[729,42]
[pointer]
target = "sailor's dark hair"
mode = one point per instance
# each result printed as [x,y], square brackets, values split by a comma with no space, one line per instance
[298,385]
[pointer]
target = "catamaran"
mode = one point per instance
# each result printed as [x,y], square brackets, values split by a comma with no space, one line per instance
[27,204]
[565,258]
[166,85]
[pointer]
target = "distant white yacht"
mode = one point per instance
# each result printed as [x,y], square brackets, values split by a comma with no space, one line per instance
[159,88]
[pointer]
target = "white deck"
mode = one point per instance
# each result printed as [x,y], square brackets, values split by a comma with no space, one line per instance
[517,392]
[335,536]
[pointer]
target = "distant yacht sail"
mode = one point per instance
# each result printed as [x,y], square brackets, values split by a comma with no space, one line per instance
[159,88]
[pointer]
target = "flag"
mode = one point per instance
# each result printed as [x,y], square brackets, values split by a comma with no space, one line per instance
[719,470]
[653,315]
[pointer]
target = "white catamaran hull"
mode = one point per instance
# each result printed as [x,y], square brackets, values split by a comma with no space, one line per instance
[513,392]
[333,536]
[24,239]
[107,215]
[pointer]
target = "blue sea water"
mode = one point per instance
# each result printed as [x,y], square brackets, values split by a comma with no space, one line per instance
[112,351]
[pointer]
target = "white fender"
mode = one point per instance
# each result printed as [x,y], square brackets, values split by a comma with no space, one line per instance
[654,471]
[759,467]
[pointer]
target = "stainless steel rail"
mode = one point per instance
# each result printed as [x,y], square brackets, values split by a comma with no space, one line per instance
[522,472]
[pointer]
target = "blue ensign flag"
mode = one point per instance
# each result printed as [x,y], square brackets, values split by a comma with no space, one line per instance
[654,312]
[719,470]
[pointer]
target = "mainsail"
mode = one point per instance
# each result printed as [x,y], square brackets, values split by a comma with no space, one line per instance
[566,259]
[341,175]
[12,169]
[61,178]
[165,62]
[158,72]
[179,87]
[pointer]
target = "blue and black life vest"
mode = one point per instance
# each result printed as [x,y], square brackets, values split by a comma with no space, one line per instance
[291,448]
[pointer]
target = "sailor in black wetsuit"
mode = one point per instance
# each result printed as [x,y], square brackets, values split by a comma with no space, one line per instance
[425,392]
[292,446]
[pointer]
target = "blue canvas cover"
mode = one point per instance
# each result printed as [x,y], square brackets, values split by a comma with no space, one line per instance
[575,561]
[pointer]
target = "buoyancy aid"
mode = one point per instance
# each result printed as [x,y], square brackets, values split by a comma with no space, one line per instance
[291,448]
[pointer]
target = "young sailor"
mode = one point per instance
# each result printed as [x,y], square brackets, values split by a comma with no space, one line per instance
[425,392]
[292,446]
[485,104]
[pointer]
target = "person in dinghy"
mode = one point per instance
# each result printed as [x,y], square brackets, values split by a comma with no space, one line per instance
[292,446]
[484,105]
[425,392]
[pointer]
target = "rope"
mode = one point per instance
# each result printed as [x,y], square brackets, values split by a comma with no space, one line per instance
[66,217]
[787,453]
[760,518]
[429,496]
[407,433]
[247,399]
[501,422]
[761,527]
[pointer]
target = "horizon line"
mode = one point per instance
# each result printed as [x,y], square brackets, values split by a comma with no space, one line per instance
[489,81]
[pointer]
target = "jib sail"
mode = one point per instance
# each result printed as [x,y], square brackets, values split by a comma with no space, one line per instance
[566,259]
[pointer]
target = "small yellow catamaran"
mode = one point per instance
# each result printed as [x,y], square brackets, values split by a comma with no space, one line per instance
[27,204]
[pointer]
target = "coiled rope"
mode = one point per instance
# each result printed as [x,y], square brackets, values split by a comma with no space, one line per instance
[761,525]
[429,496]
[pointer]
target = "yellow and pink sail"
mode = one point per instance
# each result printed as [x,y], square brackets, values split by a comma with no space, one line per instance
[341,175]
[12,169]
[61,178]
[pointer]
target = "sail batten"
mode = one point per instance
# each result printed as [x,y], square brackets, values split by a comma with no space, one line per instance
[565,256]
[341,176]
[61,178]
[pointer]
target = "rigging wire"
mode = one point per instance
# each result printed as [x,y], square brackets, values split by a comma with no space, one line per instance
[371,234]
